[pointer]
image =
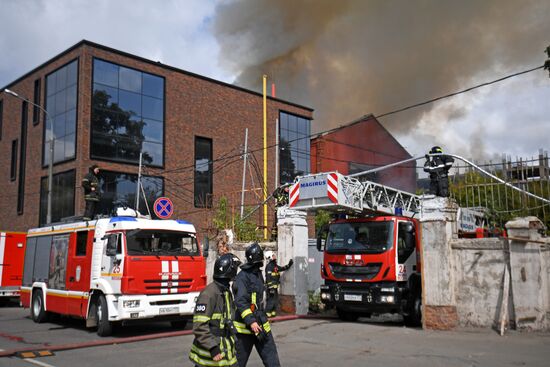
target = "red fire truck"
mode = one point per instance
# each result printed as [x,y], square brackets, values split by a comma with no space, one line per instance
[114,270]
[371,261]
[12,251]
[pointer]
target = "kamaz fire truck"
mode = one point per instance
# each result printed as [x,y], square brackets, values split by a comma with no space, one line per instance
[12,251]
[371,261]
[114,270]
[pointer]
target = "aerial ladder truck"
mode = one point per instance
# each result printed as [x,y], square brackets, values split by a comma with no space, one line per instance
[371,262]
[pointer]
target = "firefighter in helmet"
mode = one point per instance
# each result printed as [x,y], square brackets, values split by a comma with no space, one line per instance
[90,183]
[214,343]
[438,167]
[272,281]
[253,327]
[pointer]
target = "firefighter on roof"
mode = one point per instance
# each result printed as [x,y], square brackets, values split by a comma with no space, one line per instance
[214,343]
[272,281]
[250,320]
[438,167]
[90,183]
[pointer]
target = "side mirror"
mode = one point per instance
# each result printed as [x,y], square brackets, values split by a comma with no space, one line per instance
[112,242]
[322,234]
[205,247]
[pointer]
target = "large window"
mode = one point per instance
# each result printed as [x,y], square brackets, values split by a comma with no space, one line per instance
[294,146]
[127,114]
[119,189]
[203,172]
[62,196]
[22,158]
[61,97]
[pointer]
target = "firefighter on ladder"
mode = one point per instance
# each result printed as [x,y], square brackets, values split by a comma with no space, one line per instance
[214,343]
[253,328]
[272,281]
[438,167]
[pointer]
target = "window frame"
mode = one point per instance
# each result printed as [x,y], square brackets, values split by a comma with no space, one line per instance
[163,143]
[43,211]
[36,100]
[45,116]
[13,166]
[196,199]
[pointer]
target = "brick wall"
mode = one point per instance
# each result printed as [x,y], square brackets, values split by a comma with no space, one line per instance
[194,106]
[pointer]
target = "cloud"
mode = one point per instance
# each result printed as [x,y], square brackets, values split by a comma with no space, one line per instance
[176,33]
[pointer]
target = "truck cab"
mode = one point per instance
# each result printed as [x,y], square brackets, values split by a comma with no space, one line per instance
[371,265]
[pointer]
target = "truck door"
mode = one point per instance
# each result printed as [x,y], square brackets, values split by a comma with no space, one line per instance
[406,250]
[78,272]
[57,294]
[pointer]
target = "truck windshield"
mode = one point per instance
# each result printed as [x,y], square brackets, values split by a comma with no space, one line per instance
[154,242]
[360,237]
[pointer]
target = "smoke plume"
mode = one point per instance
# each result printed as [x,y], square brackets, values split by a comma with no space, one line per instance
[349,58]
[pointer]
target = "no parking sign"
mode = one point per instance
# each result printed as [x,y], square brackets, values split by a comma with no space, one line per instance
[163,208]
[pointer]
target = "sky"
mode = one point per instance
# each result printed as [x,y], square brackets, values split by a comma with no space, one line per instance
[343,58]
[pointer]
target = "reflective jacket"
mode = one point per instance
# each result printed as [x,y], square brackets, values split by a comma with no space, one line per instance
[213,327]
[89,181]
[438,166]
[273,274]
[248,289]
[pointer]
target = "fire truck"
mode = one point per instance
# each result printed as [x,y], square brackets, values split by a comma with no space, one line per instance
[114,270]
[12,251]
[371,262]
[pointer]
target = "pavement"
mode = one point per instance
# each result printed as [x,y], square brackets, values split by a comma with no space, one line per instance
[301,342]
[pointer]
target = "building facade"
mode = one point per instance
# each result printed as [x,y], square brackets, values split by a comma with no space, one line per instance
[362,145]
[108,107]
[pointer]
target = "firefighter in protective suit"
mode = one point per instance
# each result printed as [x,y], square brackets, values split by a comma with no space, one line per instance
[272,281]
[90,183]
[438,167]
[214,343]
[253,328]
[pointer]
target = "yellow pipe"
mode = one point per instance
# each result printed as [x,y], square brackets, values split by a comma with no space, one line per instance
[265,156]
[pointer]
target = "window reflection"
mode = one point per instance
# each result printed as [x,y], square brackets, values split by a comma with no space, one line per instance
[294,146]
[61,101]
[119,189]
[127,114]
[62,196]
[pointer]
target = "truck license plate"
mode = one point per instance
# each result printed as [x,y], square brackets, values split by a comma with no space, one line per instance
[353,297]
[165,310]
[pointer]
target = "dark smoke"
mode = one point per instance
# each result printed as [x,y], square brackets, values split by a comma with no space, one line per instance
[350,58]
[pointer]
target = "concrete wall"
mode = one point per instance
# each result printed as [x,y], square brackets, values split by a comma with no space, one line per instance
[463,279]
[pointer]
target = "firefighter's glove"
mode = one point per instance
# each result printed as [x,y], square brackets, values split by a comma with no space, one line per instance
[427,156]
[290,263]
[262,336]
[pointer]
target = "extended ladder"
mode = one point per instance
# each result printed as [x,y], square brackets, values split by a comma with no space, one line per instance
[336,192]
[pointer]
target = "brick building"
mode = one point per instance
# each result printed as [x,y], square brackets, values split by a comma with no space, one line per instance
[107,106]
[362,145]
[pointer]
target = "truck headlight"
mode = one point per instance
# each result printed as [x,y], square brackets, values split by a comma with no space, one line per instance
[387,299]
[325,296]
[133,303]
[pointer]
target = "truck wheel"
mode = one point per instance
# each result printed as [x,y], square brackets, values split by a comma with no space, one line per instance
[414,318]
[104,326]
[38,313]
[347,315]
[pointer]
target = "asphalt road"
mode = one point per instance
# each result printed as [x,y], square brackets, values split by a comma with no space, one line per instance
[303,342]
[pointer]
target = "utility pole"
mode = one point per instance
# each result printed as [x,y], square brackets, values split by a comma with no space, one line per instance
[244,170]
[265,155]
[138,183]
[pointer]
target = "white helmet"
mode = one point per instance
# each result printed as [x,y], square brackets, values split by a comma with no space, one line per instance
[268,254]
